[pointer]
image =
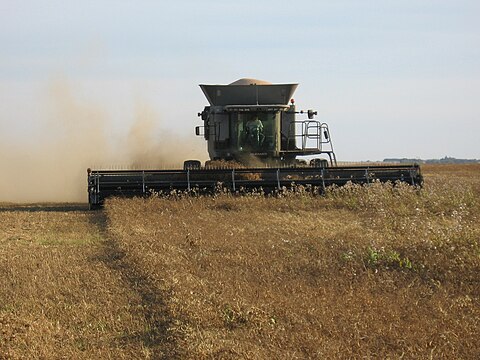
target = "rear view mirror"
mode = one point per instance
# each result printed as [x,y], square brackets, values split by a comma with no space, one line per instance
[200,131]
[311,114]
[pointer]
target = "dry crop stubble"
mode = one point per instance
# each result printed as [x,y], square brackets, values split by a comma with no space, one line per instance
[59,296]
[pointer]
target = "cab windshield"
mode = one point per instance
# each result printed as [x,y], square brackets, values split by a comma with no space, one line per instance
[255,132]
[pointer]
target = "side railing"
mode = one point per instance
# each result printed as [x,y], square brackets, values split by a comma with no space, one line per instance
[311,137]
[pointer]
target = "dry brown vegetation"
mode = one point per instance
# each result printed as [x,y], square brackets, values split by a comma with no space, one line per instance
[60,293]
[374,272]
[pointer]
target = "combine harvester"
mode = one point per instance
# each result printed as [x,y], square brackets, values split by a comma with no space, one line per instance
[254,138]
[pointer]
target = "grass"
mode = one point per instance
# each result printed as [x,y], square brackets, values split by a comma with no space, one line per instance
[364,272]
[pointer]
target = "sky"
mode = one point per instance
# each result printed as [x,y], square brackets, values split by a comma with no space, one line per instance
[391,78]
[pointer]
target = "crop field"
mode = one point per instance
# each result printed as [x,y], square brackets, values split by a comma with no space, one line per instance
[362,272]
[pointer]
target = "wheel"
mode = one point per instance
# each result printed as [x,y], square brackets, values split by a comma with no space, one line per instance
[321,163]
[192,165]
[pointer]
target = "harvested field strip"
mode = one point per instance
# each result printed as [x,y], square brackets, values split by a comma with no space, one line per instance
[64,292]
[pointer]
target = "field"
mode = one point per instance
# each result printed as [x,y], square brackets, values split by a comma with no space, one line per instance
[363,272]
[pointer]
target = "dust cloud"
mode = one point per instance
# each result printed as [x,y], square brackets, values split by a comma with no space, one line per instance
[51,165]
[148,148]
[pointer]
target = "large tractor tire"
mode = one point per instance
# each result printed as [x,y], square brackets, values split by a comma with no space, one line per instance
[192,165]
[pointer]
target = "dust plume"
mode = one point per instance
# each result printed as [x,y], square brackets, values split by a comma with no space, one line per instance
[51,165]
[149,145]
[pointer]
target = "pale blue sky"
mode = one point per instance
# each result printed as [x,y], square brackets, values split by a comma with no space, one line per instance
[391,78]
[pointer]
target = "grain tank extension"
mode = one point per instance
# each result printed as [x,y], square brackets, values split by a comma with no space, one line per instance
[254,137]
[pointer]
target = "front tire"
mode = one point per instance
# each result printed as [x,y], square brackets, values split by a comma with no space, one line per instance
[192,165]
[320,163]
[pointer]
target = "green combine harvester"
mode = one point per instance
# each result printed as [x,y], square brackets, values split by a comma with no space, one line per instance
[254,138]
